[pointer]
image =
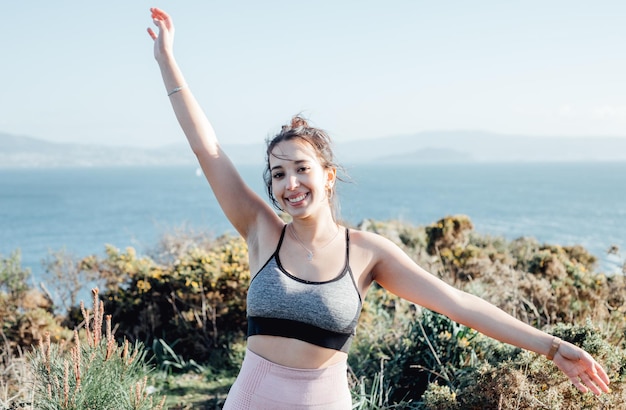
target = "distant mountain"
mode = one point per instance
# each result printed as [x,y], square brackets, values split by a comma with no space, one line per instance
[451,146]
[28,152]
[462,146]
[427,155]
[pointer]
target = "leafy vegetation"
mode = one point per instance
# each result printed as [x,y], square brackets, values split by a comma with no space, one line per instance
[96,372]
[182,309]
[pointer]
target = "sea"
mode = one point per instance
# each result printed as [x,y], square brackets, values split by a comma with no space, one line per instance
[80,210]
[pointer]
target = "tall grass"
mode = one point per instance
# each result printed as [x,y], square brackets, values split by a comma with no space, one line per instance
[94,372]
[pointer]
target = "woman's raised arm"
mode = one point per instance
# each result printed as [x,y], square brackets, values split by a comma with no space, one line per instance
[242,206]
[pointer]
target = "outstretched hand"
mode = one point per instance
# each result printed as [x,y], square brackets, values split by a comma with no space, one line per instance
[582,370]
[164,41]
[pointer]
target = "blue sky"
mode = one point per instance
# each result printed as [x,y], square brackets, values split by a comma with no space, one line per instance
[82,71]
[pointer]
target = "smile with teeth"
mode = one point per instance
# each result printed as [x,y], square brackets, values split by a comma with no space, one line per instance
[298,198]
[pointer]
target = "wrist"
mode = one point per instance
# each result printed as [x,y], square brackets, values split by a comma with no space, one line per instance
[176,89]
[165,58]
[554,348]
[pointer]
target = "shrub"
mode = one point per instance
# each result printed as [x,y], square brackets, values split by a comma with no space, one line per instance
[66,278]
[196,303]
[412,347]
[449,232]
[15,380]
[96,373]
[404,355]
[188,304]
[528,380]
[25,313]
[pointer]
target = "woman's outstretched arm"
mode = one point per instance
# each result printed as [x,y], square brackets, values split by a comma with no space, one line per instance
[244,208]
[398,273]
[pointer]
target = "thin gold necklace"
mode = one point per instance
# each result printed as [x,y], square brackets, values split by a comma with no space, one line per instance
[309,256]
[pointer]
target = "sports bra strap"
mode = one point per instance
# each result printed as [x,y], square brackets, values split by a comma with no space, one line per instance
[347,246]
[280,241]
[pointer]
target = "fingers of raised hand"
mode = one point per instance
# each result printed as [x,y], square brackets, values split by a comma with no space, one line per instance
[159,15]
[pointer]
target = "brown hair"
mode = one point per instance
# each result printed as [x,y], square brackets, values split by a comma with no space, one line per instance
[321,143]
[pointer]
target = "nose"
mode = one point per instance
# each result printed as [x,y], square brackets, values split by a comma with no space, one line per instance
[292,182]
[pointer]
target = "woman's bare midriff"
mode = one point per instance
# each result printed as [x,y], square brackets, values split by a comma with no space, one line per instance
[293,352]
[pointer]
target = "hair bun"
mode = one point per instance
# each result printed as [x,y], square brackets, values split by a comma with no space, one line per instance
[298,121]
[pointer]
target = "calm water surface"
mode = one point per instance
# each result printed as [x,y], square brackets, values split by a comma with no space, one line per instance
[81,210]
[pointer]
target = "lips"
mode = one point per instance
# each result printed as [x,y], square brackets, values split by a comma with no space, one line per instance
[294,199]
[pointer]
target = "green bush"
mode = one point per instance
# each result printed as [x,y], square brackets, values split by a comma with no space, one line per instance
[432,363]
[430,348]
[187,304]
[528,380]
[96,372]
[25,313]
[196,303]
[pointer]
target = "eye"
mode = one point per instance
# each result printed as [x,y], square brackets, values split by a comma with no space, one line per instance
[303,169]
[277,175]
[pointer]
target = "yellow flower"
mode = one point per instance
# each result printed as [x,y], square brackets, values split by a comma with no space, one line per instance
[463,342]
[143,286]
[157,274]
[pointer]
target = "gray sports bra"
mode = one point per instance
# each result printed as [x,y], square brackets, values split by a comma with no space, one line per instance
[322,313]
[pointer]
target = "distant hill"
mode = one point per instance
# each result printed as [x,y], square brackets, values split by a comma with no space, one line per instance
[449,146]
[29,152]
[462,146]
[427,155]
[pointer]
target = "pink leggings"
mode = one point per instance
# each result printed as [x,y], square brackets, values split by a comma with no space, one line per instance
[262,384]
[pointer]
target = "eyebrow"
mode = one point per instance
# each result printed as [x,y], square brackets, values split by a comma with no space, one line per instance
[297,162]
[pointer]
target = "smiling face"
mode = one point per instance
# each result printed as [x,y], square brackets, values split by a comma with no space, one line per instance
[300,184]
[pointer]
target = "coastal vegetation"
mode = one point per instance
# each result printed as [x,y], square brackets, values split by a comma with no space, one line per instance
[167,329]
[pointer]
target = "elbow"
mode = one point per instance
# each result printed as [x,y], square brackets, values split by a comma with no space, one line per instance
[204,151]
[459,306]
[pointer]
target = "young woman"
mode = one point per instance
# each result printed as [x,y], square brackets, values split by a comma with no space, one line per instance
[311,274]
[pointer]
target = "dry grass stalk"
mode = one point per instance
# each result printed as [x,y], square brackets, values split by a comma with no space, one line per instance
[98,312]
[14,379]
[69,381]
[66,382]
[138,393]
[44,347]
[111,343]
[76,359]
[86,316]
[161,403]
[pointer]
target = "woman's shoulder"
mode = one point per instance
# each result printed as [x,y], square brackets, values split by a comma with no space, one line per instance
[371,241]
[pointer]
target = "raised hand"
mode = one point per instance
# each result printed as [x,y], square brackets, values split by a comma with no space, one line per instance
[164,41]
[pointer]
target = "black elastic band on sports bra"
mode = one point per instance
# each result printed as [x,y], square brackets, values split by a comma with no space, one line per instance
[347,247]
[280,241]
[301,331]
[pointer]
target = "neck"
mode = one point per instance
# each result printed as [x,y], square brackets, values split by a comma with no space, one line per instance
[318,243]
[315,231]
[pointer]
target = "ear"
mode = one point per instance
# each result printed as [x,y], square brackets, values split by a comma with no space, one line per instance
[331,177]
